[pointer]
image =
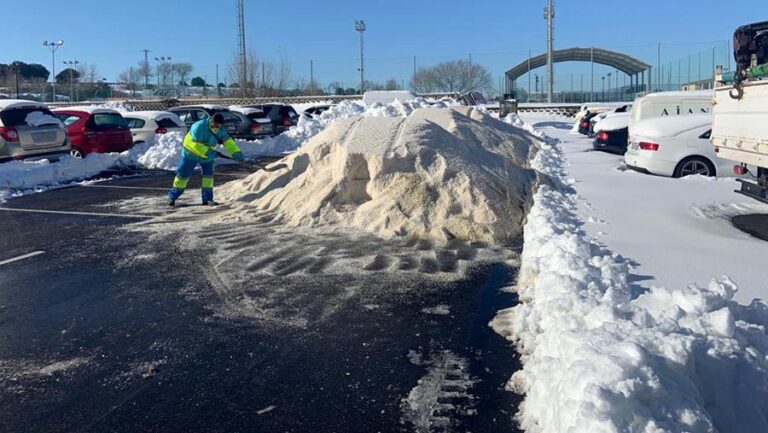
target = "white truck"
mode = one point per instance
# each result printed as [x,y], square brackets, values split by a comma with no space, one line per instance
[740,112]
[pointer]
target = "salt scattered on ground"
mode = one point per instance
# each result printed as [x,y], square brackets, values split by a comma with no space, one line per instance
[439,173]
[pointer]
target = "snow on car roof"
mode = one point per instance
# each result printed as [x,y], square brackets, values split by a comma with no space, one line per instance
[205,106]
[670,126]
[156,115]
[88,109]
[245,110]
[6,104]
[613,122]
[693,94]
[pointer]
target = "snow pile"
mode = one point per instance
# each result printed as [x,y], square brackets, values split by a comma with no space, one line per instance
[17,177]
[20,177]
[439,173]
[599,357]
[166,151]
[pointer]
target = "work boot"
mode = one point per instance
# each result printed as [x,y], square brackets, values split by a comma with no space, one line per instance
[210,203]
[171,202]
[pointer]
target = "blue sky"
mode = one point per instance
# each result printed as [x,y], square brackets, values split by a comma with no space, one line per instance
[497,33]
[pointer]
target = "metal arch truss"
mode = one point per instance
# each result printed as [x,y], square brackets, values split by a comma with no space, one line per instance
[624,63]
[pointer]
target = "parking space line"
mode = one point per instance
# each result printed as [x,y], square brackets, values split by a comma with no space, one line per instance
[22,257]
[124,187]
[60,212]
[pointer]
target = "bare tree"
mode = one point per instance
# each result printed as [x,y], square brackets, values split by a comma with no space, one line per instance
[452,76]
[391,84]
[183,70]
[423,81]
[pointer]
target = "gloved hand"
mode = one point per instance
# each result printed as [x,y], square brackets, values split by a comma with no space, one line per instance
[238,156]
[211,155]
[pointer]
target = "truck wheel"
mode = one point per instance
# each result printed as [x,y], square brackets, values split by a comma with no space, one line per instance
[694,165]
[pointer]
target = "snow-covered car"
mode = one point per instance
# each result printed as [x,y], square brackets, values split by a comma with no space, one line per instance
[674,146]
[145,125]
[316,110]
[283,116]
[29,129]
[259,124]
[604,115]
[612,133]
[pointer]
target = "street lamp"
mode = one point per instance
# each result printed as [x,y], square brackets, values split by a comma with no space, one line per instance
[53,46]
[161,61]
[603,88]
[71,64]
[609,85]
[361,27]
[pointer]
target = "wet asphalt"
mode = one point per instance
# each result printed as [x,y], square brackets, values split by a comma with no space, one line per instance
[115,330]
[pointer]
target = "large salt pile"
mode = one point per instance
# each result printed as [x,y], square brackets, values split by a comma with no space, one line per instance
[441,173]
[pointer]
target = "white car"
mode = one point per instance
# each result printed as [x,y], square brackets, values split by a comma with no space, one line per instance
[145,125]
[675,146]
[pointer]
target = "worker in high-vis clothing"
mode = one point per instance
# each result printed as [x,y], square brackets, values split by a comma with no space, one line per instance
[199,147]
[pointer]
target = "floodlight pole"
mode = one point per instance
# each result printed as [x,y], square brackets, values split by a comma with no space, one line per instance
[361,27]
[549,14]
[53,46]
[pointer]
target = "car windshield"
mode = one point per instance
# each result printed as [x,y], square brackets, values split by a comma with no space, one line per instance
[166,122]
[108,121]
[18,116]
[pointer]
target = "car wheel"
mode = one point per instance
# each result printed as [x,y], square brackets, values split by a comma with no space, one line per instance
[77,153]
[694,165]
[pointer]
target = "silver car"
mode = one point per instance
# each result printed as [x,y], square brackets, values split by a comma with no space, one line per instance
[28,129]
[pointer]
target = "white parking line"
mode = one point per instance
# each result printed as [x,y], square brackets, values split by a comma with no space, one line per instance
[25,256]
[60,212]
[125,187]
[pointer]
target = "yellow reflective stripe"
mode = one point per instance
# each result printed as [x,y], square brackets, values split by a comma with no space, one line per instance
[197,148]
[207,182]
[231,146]
[180,182]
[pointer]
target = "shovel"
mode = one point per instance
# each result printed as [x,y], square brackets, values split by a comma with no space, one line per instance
[254,164]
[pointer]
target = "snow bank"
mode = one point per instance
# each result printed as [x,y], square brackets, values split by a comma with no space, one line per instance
[166,151]
[599,357]
[20,177]
[438,174]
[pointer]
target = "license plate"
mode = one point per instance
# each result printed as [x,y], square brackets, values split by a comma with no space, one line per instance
[43,137]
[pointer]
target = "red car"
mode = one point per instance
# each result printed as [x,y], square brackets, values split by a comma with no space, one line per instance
[95,129]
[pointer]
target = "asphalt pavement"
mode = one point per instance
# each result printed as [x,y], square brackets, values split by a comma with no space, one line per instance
[108,325]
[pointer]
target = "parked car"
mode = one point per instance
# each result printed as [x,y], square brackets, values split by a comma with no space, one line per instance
[258,124]
[604,115]
[144,125]
[316,110]
[612,133]
[29,130]
[282,116]
[189,114]
[587,118]
[95,129]
[674,146]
